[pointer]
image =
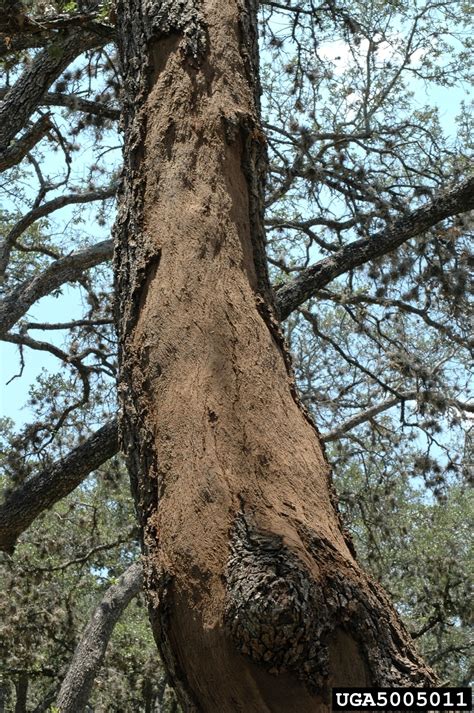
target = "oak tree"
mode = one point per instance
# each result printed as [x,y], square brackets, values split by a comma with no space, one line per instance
[333,201]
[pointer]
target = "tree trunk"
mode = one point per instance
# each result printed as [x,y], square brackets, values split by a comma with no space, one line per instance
[21,693]
[256,601]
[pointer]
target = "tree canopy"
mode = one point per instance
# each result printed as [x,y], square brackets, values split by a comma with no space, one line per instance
[368,218]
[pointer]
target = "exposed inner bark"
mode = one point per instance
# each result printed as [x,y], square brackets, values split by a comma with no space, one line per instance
[256,601]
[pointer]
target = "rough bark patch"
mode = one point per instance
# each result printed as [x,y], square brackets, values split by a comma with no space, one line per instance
[297,606]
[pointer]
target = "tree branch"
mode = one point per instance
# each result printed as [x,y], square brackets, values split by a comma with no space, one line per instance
[288,8]
[44,210]
[23,24]
[90,553]
[87,660]
[41,491]
[370,413]
[65,269]
[420,312]
[362,417]
[75,102]
[17,150]
[25,95]
[9,45]
[79,104]
[457,200]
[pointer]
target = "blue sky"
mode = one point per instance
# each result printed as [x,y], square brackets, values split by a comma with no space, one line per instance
[69,306]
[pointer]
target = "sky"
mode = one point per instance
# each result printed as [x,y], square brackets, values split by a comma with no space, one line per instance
[69,305]
[14,391]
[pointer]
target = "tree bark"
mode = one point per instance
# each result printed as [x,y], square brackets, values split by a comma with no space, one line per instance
[21,693]
[256,600]
[87,660]
[25,96]
[12,155]
[41,491]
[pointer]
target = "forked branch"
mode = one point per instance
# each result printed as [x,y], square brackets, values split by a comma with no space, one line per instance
[459,199]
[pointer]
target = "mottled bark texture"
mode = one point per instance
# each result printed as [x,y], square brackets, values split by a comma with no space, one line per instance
[256,601]
[89,654]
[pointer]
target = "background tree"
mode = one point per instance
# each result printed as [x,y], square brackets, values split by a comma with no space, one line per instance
[381,346]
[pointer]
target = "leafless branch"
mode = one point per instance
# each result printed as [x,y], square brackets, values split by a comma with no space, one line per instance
[79,104]
[399,305]
[17,150]
[43,210]
[370,413]
[67,325]
[75,102]
[66,269]
[86,556]
[25,96]
[23,24]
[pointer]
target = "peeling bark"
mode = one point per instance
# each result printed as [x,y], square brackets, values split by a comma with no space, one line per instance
[256,600]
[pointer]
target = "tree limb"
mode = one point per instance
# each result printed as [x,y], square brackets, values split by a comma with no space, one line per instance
[9,45]
[25,95]
[75,102]
[25,24]
[288,8]
[362,417]
[17,150]
[77,684]
[457,200]
[43,210]
[422,313]
[65,269]
[41,491]
[370,413]
[90,553]
[87,106]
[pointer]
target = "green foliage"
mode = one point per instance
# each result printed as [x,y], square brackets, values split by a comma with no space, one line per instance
[418,548]
[59,572]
